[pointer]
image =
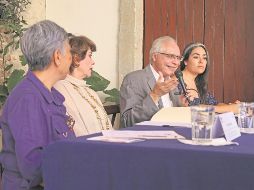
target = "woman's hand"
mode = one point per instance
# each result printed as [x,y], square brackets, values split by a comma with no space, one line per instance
[192,94]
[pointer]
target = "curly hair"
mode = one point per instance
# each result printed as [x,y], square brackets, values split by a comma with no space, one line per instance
[79,47]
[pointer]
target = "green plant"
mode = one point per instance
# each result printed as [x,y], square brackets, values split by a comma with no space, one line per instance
[12,26]
[99,83]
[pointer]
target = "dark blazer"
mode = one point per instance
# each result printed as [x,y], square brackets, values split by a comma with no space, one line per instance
[136,104]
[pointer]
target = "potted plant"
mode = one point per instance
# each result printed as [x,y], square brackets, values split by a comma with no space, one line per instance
[12,25]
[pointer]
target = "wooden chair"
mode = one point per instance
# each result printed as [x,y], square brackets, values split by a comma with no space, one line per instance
[112,109]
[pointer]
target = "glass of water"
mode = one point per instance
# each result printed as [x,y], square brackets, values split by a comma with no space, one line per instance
[246,117]
[202,119]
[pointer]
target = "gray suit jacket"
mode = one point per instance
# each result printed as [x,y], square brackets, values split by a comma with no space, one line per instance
[136,104]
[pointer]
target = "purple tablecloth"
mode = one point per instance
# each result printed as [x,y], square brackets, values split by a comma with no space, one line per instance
[149,165]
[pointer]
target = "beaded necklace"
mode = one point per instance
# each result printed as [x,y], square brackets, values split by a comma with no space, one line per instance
[95,107]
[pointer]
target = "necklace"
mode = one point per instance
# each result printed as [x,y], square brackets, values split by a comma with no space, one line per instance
[95,108]
[191,86]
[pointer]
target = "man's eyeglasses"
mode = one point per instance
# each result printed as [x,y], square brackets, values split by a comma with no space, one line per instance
[172,56]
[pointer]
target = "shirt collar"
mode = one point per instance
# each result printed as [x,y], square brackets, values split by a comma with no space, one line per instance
[75,81]
[49,96]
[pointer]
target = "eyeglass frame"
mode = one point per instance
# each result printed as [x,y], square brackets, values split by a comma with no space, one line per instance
[172,56]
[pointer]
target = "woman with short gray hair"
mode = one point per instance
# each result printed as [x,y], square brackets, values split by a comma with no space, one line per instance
[34,114]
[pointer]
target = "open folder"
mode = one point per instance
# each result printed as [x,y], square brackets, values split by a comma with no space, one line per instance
[175,116]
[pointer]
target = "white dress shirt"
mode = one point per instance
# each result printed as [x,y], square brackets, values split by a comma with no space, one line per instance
[165,98]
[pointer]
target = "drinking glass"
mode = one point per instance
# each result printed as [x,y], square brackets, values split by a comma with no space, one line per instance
[202,119]
[246,117]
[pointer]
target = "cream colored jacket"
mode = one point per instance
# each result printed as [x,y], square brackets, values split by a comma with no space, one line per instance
[84,105]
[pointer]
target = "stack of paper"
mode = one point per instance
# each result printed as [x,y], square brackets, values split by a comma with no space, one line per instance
[173,116]
[134,136]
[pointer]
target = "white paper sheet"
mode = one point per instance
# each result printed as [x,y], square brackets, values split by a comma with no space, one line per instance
[214,142]
[142,134]
[158,123]
[114,139]
[173,115]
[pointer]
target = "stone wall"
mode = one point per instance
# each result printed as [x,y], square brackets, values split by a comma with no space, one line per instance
[130,37]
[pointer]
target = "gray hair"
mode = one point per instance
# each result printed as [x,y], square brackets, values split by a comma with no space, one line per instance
[157,45]
[39,43]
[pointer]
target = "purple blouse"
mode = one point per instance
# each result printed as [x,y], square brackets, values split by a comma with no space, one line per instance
[32,118]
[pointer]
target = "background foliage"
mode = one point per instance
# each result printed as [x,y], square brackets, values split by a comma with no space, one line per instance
[12,26]
[99,83]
